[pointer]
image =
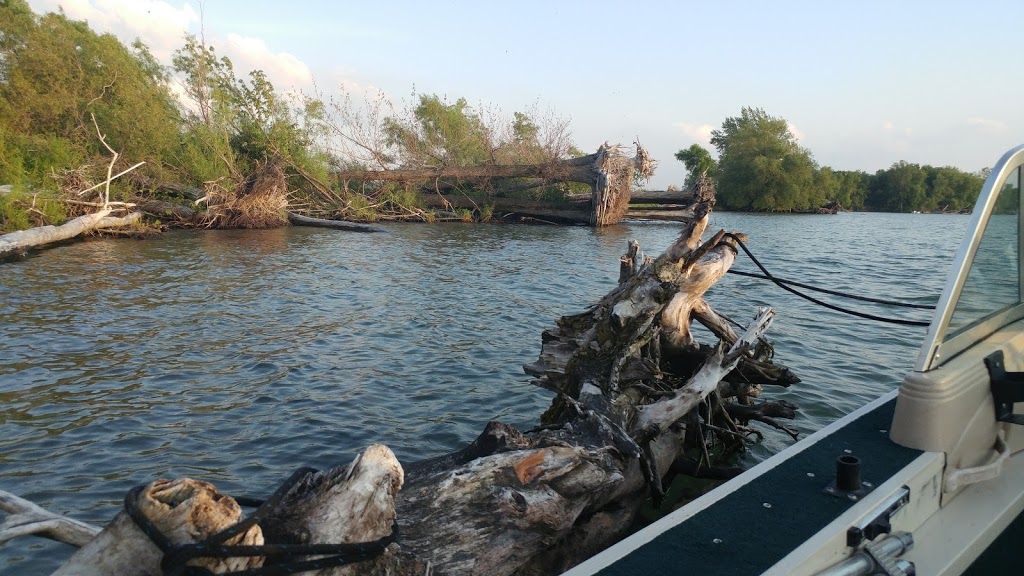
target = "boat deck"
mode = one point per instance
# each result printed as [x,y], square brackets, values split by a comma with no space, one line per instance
[754,526]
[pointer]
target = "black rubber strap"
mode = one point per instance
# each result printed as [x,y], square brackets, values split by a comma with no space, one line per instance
[176,557]
[784,286]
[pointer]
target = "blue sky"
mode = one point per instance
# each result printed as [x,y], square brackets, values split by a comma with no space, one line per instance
[863,84]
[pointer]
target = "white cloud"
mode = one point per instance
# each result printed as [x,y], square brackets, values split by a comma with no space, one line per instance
[890,129]
[701,133]
[987,126]
[283,69]
[796,132]
[159,24]
[162,26]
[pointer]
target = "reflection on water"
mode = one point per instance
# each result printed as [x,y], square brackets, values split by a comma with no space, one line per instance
[238,356]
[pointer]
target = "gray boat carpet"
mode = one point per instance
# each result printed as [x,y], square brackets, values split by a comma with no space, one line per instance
[751,529]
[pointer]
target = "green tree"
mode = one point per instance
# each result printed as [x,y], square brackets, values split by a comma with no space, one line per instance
[440,134]
[826,183]
[209,82]
[57,73]
[524,129]
[234,123]
[210,114]
[525,146]
[950,189]
[697,161]
[761,167]
[852,188]
[901,188]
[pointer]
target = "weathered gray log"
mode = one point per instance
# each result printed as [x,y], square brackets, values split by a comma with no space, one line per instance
[161,209]
[663,197]
[663,215]
[20,241]
[300,220]
[654,418]
[572,212]
[26,518]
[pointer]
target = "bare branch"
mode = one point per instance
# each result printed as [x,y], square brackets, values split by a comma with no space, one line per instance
[26,518]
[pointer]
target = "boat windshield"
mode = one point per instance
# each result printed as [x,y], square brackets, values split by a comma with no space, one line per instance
[984,292]
[992,282]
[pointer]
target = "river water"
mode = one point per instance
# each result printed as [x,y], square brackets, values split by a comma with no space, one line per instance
[238,356]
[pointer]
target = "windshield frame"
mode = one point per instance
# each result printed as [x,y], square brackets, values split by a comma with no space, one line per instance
[937,349]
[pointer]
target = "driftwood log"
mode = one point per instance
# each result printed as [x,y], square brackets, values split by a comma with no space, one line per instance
[19,242]
[26,518]
[300,220]
[638,399]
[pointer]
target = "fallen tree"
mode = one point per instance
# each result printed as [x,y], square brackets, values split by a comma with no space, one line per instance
[608,172]
[108,214]
[572,210]
[637,400]
[21,241]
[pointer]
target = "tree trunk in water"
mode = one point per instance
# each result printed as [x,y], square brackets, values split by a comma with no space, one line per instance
[609,173]
[300,220]
[636,399]
[18,242]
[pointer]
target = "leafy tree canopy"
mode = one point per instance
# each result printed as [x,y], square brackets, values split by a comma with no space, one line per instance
[761,167]
[440,134]
[54,74]
[698,161]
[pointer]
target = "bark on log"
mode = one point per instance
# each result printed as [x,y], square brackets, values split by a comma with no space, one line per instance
[161,209]
[664,215]
[572,212]
[628,407]
[349,504]
[664,198]
[20,241]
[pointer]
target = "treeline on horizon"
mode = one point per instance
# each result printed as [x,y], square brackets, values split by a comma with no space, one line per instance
[198,124]
[762,168]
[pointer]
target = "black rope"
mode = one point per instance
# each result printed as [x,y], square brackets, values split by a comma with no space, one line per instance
[785,286]
[835,293]
[177,555]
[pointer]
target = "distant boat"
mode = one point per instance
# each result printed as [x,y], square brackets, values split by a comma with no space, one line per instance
[928,478]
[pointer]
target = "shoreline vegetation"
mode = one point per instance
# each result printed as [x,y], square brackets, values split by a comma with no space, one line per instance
[220,150]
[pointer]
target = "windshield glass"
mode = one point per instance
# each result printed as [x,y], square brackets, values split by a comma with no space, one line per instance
[993,281]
